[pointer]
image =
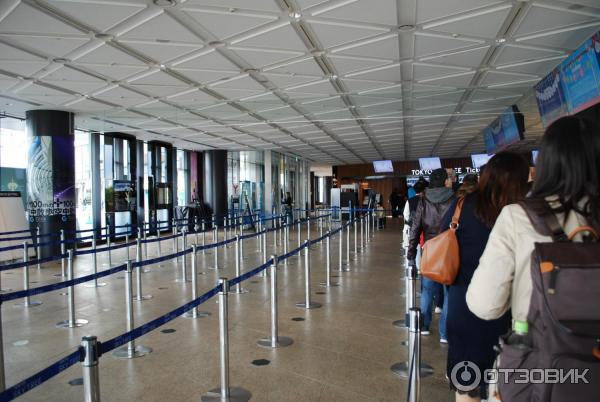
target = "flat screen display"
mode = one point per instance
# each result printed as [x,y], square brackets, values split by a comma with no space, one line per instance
[430,163]
[550,98]
[534,155]
[383,167]
[478,160]
[580,74]
[507,129]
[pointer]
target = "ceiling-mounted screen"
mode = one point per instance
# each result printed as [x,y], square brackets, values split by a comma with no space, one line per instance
[431,163]
[383,166]
[478,160]
[550,98]
[507,129]
[581,75]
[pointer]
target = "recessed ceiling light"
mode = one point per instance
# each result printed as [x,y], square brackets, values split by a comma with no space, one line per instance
[500,40]
[295,15]
[406,28]
[317,53]
[165,3]
[216,43]
[333,76]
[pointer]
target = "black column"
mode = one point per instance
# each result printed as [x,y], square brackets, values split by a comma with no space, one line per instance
[51,174]
[215,182]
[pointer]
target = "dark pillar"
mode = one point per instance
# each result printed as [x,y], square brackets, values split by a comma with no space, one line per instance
[215,182]
[51,174]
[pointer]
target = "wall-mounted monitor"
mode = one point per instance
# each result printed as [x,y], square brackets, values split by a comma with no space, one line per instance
[428,164]
[383,166]
[534,156]
[478,160]
[507,129]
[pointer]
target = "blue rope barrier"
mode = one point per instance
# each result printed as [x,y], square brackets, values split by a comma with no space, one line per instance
[42,376]
[135,333]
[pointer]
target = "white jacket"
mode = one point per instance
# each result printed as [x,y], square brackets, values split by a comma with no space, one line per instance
[503,279]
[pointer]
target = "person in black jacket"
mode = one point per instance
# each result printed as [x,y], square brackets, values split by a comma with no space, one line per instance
[427,219]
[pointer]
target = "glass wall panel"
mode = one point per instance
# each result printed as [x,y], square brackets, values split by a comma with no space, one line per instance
[83,181]
[13,156]
[183,178]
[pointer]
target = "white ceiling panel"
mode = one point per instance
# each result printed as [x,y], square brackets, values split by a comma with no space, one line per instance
[101,16]
[331,34]
[225,24]
[280,36]
[385,47]
[162,28]
[364,11]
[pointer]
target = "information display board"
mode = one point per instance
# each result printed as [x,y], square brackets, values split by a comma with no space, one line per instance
[507,129]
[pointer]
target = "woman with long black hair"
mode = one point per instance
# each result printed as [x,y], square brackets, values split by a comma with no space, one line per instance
[503,182]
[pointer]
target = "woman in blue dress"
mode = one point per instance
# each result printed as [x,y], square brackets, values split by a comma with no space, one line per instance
[471,339]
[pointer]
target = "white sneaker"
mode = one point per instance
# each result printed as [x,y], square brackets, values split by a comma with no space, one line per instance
[425,332]
[438,310]
[443,340]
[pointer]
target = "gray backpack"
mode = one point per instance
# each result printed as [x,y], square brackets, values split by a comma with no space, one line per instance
[563,318]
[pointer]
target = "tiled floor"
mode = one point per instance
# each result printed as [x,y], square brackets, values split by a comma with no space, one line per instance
[341,352]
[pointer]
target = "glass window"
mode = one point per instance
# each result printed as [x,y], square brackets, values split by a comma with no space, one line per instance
[13,156]
[182,178]
[83,181]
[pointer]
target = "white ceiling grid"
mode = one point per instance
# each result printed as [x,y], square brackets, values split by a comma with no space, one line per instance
[343,81]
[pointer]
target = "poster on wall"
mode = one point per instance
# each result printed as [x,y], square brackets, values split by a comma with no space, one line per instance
[124,195]
[14,179]
[50,187]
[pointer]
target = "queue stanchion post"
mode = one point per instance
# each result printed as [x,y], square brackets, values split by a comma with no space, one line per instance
[413,322]
[91,372]
[108,245]
[94,283]
[355,228]
[328,283]
[286,240]
[320,220]
[2,375]
[264,249]
[348,245]
[71,322]
[238,265]
[138,273]
[131,350]
[215,249]
[146,227]
[226,230]
[225,393]
[413,369]
[184,275]
[27,302]
[158,246]
[307,303]
[127,245]
[63,248]
[196,229]
[258,237]
[241,241]
[274,234]
[195,313]
[175,239]
[410,291]
[307,226]
[362,231]
[203,236]
[274,341]
[341,250]
[38,250]
[299,235]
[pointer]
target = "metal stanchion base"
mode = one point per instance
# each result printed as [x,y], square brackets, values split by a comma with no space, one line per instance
[95,285]
[182,280]
[236,394]
[331,284]
[239,291]
[282,341]
[402,370]
[310,306]
[199,314]
[32,303]
[79,322]
[124,353]
[400,324]
[144,297]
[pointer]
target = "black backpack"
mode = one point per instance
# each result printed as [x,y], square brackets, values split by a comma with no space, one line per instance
[563,318]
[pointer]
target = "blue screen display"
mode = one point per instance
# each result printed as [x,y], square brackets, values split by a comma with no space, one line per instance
[550,98]
[580,74]
[478,160]
[502,132]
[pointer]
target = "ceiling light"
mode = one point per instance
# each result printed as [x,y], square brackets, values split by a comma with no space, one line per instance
[333,77]
[216,43]
[61,60]
[165,3]
[295,15]
[406,28]
[500,40]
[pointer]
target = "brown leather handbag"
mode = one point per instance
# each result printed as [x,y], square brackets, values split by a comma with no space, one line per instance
[441,258]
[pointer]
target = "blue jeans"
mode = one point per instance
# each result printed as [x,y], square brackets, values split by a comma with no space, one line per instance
[429,289]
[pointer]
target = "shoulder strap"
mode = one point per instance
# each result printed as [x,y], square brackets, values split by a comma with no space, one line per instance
[545,223]
[457,212]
